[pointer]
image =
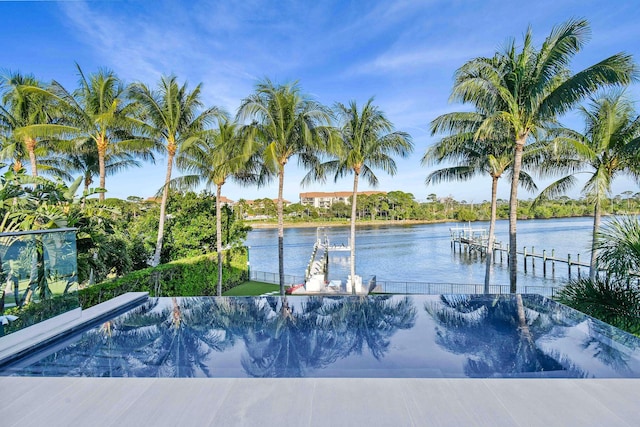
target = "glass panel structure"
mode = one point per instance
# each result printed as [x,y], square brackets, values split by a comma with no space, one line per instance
[38,277]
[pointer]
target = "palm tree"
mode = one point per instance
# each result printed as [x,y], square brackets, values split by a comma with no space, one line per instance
[289,124]
[223,154]
[526,89]
[98,110]
[606,149]
[174,119]
[487,156]
[366,141]
[20,109]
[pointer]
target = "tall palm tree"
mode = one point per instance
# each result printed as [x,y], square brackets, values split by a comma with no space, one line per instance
[471,157]
[20,109]
[224,153]
[528,88]
[174,119]
[289,124]
[366,140]
[607,148]
[98,110]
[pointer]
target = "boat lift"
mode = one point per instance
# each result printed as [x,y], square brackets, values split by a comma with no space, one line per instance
[317,272]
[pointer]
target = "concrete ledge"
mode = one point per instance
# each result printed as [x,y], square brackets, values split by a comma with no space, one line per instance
[36,336]
[319,402]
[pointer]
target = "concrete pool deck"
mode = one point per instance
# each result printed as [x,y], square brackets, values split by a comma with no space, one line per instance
[318,402]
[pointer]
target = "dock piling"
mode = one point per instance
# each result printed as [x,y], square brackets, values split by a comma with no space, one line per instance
[533,258]
[475,242]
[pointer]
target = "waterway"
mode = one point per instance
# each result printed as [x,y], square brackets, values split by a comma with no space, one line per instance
[422,253]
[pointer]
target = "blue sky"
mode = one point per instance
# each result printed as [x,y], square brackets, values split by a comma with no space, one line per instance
[402,52]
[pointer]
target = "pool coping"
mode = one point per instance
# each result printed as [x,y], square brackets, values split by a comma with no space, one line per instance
[320,402]
[15,345]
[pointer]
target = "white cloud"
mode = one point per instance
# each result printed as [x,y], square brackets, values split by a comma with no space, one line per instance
[416,59]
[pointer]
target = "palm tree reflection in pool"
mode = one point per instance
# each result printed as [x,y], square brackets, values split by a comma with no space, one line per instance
[174,340]
[500,336]
[285,342]
[281,339]
[497,334]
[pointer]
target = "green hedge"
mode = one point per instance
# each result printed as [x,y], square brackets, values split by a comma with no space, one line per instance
[197,276]
[38,311]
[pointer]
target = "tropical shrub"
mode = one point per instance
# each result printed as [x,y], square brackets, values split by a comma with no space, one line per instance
[609,300]
[615,297]
[618,245]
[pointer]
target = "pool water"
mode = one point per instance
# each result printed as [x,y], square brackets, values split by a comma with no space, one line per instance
[431,336]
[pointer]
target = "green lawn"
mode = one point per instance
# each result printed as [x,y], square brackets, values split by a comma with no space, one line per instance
[251,289]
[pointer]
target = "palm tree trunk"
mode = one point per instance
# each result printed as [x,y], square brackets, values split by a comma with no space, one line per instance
[87,181]
[219,237]
[492,227]
[593,270]
[163,206]
[102,175]
[513,214]
[30,144]
[102,150]
[281,230]
[352,237]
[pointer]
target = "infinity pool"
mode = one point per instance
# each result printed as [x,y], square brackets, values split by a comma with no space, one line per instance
[376,336]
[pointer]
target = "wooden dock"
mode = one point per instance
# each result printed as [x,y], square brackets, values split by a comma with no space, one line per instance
[472,240]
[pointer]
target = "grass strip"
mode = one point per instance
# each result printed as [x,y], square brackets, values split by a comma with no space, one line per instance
[251,289]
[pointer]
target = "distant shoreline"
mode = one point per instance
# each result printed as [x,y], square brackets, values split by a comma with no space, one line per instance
[315,224]
[360,223]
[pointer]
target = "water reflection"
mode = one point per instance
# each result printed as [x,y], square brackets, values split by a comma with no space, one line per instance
[516,336]
[453,336]
[288,342]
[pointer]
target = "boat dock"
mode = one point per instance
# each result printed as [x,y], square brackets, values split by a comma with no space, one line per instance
[471,240]
[316,278]
[475,239]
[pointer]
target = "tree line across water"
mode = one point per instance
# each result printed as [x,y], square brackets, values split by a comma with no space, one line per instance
[401,206]
[509,126]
